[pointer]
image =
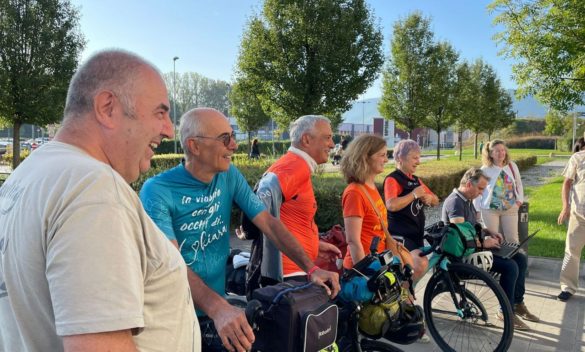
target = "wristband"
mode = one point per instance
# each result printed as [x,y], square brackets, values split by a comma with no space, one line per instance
[414,195]
[312,270]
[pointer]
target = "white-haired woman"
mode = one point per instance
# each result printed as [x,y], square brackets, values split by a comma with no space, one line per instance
[406,195]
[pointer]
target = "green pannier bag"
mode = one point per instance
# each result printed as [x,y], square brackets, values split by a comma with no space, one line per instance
[459,240]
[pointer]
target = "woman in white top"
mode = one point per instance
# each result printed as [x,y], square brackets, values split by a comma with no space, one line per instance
[504,194]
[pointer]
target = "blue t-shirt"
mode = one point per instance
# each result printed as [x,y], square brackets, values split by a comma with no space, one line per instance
[197,216]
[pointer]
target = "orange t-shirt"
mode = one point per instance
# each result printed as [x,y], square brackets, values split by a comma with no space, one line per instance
[299,206]
[392,188]
[355,203]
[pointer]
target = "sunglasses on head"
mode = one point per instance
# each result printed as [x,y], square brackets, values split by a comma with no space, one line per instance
[224,138]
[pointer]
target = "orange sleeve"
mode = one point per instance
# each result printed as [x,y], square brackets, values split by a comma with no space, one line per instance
[391,188]
[353,204]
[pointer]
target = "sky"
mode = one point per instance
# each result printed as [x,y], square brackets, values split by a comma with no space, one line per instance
[206,34]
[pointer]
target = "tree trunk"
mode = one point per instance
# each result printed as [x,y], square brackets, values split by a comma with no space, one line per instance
[460,138]
[438,144]
[249,143]
[16,144]
[475,146]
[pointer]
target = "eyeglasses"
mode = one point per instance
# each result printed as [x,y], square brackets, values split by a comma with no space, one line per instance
[225,138]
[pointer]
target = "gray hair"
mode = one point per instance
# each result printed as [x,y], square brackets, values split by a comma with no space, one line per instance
[302,125]
[404,147]
[115,70]
[190,125]
[473,175]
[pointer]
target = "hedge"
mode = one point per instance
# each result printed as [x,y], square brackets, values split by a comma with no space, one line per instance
[532,142]
[329,187]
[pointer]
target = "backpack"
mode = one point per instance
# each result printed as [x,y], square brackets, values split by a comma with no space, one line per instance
[298,317]
[459,240]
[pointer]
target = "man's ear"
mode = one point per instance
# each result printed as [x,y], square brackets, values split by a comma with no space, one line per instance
[193,146]
[104,105]
[305,139]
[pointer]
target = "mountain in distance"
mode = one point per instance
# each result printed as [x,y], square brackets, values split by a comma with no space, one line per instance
[527,107]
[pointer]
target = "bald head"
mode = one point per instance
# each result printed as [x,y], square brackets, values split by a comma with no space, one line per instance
[198,122]
[112,70]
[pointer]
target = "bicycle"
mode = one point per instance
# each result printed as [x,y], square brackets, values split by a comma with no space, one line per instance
[461,302]
[350,338]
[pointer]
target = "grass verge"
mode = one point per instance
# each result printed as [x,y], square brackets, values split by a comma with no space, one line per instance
[545,206]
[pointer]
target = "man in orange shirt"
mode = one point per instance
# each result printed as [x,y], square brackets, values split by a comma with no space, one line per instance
[287,191]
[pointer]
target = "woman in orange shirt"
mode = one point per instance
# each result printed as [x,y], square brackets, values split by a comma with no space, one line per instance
[363,160]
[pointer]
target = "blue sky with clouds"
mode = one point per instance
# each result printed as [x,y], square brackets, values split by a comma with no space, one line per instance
[205,34]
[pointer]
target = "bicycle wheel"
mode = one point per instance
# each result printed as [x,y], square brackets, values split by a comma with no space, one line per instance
[475,326]
[378,346]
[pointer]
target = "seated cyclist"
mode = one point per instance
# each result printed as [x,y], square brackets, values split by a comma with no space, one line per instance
[458,208]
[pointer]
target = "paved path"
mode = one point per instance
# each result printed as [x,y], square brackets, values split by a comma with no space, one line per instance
[561,326]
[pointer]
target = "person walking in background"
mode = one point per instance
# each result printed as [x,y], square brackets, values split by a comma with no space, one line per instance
[573,198]
[82,266]
[255,149]
[504,194]
[406,195]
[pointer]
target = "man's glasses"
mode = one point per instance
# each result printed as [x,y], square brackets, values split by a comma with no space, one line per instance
[225,138]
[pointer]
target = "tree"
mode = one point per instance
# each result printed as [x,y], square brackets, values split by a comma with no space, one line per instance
[547,39]
[466,91]
[556,124]
[441,88]
[195,90]
[246,108]
[405,78]
[493,108]
[310,57]
[40,44]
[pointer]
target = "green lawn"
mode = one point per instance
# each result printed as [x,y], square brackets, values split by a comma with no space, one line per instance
[545,206]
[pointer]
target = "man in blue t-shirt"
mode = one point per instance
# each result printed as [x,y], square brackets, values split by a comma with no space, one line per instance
[192,202]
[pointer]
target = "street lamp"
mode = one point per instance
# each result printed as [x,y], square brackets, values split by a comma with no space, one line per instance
[175,103]
[363,102]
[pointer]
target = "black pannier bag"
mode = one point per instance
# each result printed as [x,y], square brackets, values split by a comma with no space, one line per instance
[297,318]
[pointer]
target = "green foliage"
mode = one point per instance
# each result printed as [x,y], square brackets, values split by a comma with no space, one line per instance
[522,127]
[405,78]
[441,89]
[167,146]
[556,124]
[246,106]
[531,142]
[8,157]
[545,38]
[310,57]
[195,90]
[266,147]
[40,45]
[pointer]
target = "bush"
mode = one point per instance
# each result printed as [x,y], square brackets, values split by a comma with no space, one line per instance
[532,142]
[7,157]
[265,147]
[167,146]
[329,187]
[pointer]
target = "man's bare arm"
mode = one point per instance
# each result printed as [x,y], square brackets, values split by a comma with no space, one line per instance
[230,322]
[100,342]
[290,246]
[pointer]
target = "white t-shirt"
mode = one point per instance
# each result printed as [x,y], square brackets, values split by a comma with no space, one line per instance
[79,255]
[575,170]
